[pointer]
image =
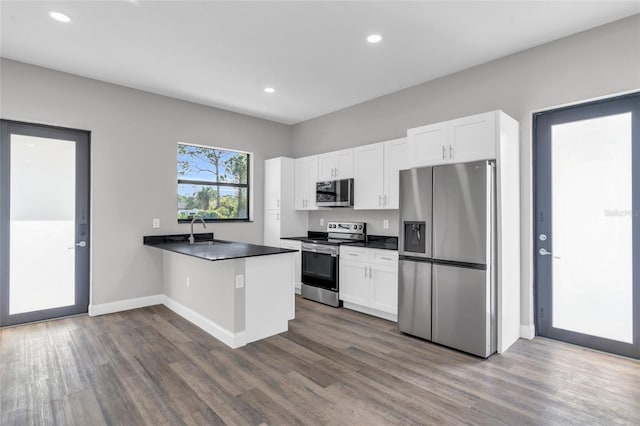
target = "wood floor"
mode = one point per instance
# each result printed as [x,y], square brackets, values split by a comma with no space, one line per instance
[333,366]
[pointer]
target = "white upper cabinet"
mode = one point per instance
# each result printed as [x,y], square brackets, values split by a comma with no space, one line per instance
[395,159]
[376,174]
[474,138]
[368,182]
[335,165]
[462,140]
[306,176]
[427,145]
[272,183]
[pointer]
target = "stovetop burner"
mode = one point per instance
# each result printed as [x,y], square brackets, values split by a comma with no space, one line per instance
[340,233]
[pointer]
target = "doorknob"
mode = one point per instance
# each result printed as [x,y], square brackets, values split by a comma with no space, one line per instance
[80,244]
[544,252]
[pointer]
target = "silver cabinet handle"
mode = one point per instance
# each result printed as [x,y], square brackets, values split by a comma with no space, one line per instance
[365,272]
[370,272]
[450,151]
[278,217]
[379,200]
[544,252]
[385,258]
[351,254]
[278,203]
[336,169]
[385,200]
[444,153]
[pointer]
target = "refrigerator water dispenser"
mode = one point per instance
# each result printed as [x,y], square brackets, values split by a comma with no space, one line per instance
[415,235]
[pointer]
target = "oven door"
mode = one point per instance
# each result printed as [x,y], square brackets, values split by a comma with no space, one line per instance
[320,267]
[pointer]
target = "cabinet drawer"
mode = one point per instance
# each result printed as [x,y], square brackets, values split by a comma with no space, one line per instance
[291,245]
[385,257]
[354,254]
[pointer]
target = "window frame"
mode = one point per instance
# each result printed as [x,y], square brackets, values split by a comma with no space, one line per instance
[248,185]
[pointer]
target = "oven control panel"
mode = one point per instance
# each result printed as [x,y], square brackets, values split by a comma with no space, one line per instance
[347,227]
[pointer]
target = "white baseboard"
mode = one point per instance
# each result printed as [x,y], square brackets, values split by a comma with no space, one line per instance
[233,340]
[527,331]
[125,305]
[370,311]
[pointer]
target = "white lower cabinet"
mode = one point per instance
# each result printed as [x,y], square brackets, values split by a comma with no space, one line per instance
[297,270]
[369,281]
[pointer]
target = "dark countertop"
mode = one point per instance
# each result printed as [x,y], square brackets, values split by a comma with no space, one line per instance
[208,248]
[383,242]
[379,242]
[294,238]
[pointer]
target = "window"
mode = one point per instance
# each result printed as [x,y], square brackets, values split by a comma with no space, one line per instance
[212,183]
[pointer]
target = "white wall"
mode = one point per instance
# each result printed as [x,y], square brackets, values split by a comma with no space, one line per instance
[133,170]
[595,63]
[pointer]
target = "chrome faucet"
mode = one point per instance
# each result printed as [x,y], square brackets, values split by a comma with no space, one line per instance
[192,239]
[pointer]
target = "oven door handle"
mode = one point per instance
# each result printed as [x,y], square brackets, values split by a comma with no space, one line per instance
[320,250]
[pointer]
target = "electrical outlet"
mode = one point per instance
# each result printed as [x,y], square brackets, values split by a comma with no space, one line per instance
[156,223]
[188,281]
[321,221]
[239,281]
[385,224]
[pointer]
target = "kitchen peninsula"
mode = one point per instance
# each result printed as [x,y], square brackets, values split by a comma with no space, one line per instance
[237,292]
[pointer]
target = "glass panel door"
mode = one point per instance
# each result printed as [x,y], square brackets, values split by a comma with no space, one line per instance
[586,209]
[44,223]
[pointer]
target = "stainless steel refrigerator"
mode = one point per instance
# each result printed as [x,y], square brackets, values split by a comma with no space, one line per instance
[447,254]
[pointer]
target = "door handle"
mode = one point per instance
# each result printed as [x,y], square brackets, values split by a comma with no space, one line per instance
[444,153]
[79,244]
[450,151]
[544,252]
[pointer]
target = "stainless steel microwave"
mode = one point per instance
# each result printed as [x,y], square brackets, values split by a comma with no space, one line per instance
[335,193]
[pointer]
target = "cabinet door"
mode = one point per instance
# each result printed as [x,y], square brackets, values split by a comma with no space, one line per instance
[306,176]
[272,228]
[326,166]
[428,145]
[384,288]
[344,164]
[312,179]
[354,285]
[297,266]
[272,183]
[368,180]
[473,138]
[395,159]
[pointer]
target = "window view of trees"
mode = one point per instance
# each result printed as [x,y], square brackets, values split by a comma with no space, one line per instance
[212,183]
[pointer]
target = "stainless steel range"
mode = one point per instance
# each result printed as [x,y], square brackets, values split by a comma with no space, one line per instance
[320,261]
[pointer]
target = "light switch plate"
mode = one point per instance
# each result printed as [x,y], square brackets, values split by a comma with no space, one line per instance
[385,224]
[156,223]
[239,281]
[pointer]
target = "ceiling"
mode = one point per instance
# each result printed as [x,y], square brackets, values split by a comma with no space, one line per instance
[314,54]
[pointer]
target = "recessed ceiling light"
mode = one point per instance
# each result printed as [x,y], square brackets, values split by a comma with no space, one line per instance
[269,90]
[374,38]
[61,17]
